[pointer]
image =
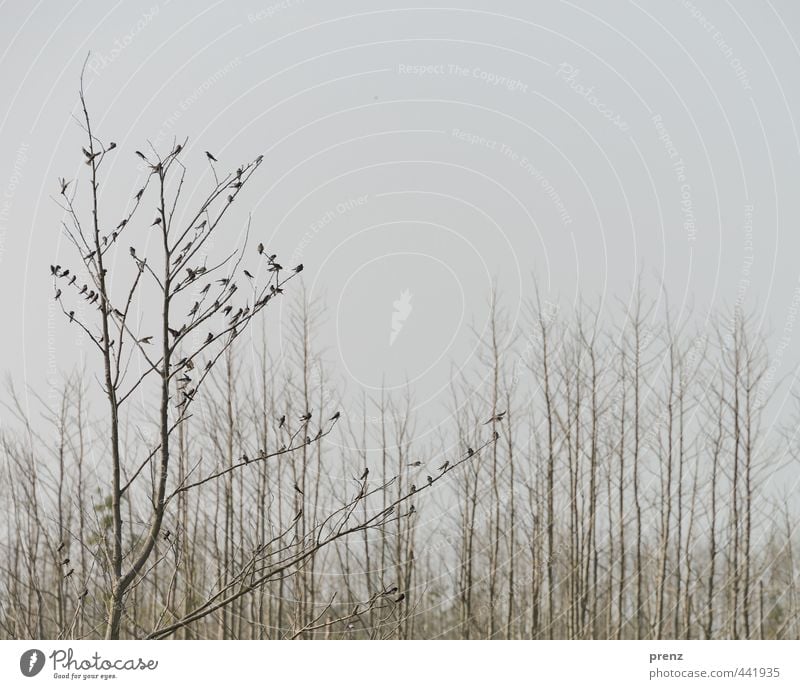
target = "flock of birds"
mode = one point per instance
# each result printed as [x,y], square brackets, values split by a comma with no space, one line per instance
[95,293]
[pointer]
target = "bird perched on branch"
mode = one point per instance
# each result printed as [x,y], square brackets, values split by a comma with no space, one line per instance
[210,157]
[335,417]
[306,417]
[429,479]
[444,467]
[415,464]
[282,421]
[364,474]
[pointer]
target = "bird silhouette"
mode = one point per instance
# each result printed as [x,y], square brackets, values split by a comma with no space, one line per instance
[146,340]
[306,417]
[65,561]
[297,488]
[413,488]
[248,274]
[260,248]
[415,464]
[141,155]
[470,452]
[210,157]
[400,598]
[60,547]
[69,574]
[157,221]
[429,480]
[497,417]
[335,417]
[282,421]
[209,338]
[298,268]
[364,474]
[444,467]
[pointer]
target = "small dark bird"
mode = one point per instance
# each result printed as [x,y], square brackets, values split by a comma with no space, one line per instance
[413,488]
[71,316]
[298,268]
[60,547]
[412,510]
[400,598]
[470,452]
[306,417]
[364,474]
[282,421]
[167,534]
[335,417]
[230,198]
[248,274]
[174,332]
[111,145]
[122,223]
[133,251]
[415,464]
[157,221]
[200,226]
[141,155]
[246,458]
[58,294]
[227,310]
[69,574]
[210,157]
[178,149]
[297,488]
[72,280]
[64,184]
[260,248]
[444,467]
[194,309]
[65,562]
[497,417]
[139,194]
[429,479]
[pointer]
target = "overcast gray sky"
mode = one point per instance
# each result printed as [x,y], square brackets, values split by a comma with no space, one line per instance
[414,154]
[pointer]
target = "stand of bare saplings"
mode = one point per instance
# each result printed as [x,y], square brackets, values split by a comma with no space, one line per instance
[626,485]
